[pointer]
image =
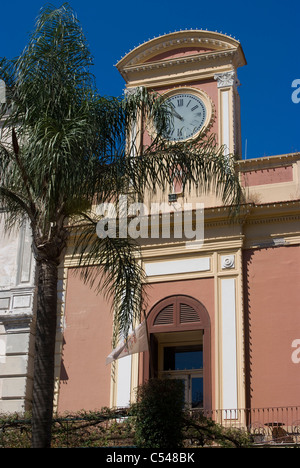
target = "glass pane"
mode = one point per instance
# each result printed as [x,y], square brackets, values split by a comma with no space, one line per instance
[197,392]
[185,395]
[183,357]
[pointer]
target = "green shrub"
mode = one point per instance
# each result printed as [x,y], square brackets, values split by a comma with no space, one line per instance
[201,431]
[159,414]
[101,428]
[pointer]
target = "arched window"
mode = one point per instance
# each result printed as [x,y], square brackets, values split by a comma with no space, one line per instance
[179,328]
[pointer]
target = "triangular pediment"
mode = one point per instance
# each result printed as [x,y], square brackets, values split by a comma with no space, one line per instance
[179,52]
[181,47]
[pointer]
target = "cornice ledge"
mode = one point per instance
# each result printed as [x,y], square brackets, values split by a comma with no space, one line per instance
[273,219]
[274,212]
[13,318]
[179,61]
[244,165]
[193,37]
[179,249]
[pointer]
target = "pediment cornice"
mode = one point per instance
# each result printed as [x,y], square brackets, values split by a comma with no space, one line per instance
[191,46]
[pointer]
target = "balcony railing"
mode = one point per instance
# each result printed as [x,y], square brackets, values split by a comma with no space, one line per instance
[279,425]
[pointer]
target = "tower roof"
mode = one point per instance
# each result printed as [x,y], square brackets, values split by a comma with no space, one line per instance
[191,50]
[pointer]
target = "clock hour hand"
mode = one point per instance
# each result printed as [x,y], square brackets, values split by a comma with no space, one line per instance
[173,111]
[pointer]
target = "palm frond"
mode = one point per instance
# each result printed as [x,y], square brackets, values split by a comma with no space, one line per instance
[111,265]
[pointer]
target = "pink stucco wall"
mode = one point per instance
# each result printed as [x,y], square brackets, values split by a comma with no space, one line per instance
[201,289]
[85,379]
[273,175]
[272,317]
[179,52]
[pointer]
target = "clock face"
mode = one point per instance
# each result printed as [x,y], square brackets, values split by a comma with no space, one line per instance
[188,116]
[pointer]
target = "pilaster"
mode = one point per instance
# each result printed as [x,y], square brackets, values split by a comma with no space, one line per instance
[17,307]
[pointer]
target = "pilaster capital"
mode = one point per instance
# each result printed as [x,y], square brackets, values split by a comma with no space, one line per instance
[226,79]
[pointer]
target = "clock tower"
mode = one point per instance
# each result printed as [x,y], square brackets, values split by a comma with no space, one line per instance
[195,300]
[196,71]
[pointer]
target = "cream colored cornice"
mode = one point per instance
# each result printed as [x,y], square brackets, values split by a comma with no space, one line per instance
[254,213]
[266,162]
[180,61]
[217,50]
[210,245]
[194,37]
[275,212]
[178,75]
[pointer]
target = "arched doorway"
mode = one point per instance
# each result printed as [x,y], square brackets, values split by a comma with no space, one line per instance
[179,329]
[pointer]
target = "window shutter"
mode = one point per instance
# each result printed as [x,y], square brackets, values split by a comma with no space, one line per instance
[188,314]
[165,316]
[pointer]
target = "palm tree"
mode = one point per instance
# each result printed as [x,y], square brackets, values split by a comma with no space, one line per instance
[66,149]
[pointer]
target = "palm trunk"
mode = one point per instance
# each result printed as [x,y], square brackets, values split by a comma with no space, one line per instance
[43,384]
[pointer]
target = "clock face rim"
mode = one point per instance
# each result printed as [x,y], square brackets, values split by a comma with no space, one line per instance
[205,101]
[184,135]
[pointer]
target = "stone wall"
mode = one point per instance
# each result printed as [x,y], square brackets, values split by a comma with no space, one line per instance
[17,304]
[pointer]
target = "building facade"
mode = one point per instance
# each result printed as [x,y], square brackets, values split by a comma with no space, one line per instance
[17,306]
[223,316]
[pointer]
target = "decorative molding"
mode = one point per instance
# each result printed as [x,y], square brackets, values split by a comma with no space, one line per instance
[227,261]
[245,165]
[171,249]
[4,303]
[132,91]
[229,344]
[179,60]
[226,79]
[188,38]
[177,266]
[17,304]
[25,261]
[153,62]
[274,219]
[21,319]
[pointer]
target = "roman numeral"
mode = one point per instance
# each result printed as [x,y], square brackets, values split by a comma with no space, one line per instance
[194,108]
[179,102]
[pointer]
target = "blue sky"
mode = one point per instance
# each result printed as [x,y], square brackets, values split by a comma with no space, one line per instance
[268,32]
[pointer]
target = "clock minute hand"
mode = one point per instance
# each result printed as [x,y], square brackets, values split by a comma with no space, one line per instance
[176,114]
